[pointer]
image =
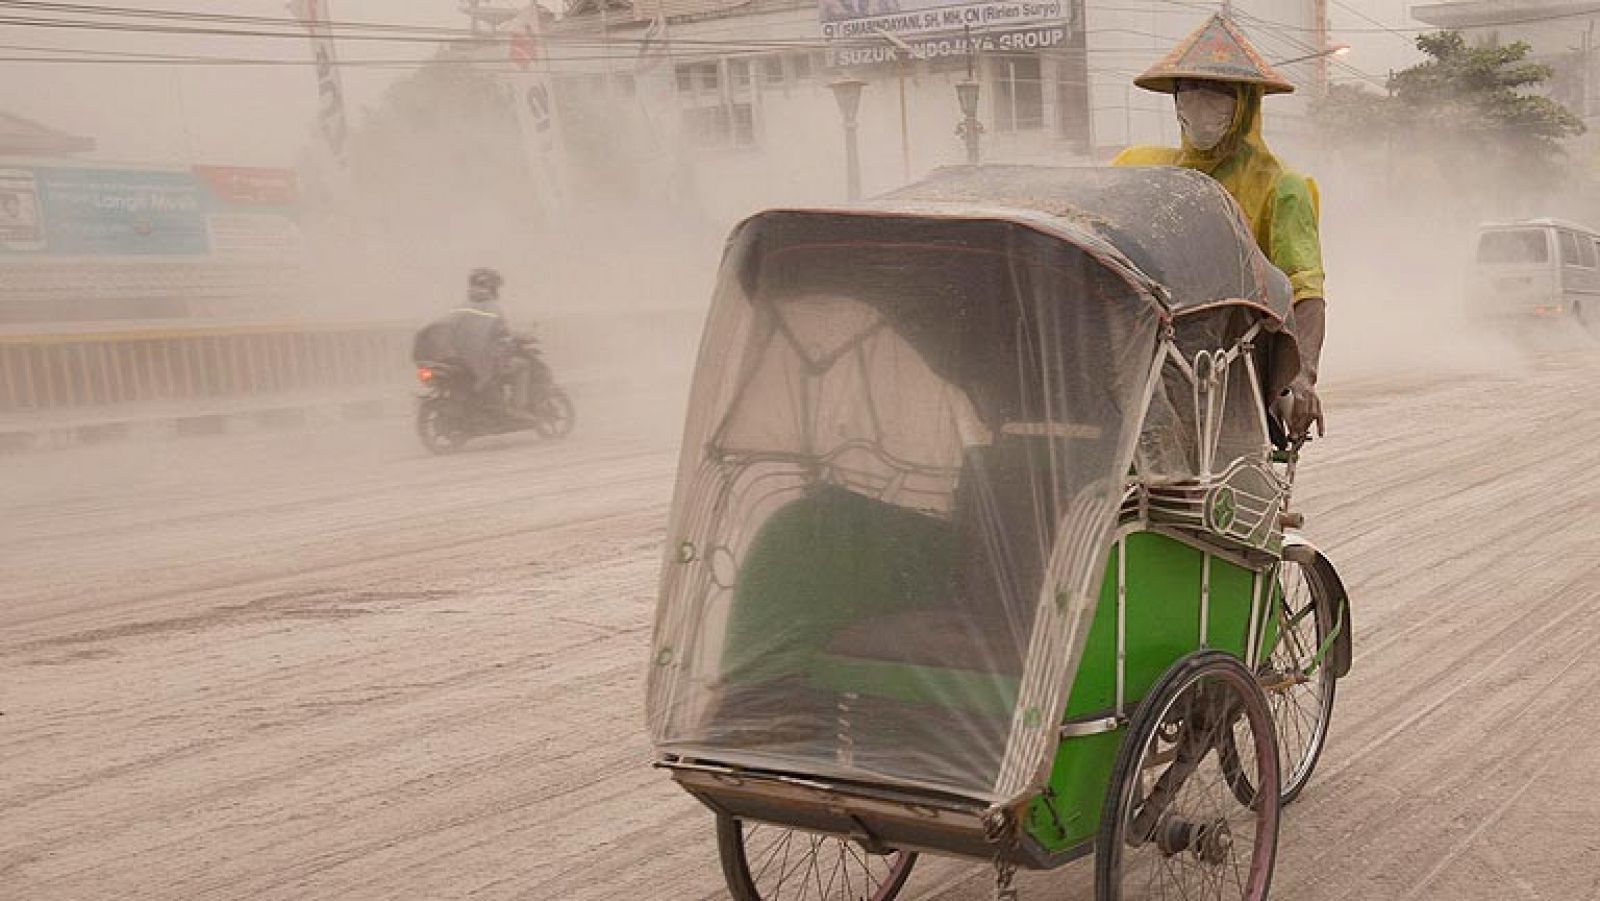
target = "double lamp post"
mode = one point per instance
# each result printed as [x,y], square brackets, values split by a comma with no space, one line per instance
[848,95]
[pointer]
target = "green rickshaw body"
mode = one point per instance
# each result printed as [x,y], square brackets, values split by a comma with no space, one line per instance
[965,471]
[1162,615]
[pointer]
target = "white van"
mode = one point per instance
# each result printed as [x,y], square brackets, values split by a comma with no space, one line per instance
[1537,268]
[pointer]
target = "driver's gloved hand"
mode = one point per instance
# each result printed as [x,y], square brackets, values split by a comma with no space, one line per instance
[1305,408]
[1310,323]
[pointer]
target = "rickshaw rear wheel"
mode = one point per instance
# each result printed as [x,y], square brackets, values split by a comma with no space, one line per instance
[1173,825]
[763,862]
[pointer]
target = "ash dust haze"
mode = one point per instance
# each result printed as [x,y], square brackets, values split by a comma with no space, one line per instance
[258,642]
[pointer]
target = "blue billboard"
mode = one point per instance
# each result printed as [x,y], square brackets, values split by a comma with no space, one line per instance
[131,212]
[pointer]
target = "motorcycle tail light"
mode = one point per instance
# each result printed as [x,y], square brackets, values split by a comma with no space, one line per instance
[424,374]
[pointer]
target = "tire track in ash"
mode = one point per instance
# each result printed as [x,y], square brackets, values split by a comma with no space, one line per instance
[545,610]
[495,768]
[422,547]
[1437,796]
[427,477]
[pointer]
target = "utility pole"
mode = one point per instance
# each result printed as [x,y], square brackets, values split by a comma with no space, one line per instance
[1388,143]
[1319,11]
[1590,107]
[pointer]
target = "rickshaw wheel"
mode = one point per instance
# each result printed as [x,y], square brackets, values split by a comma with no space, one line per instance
[789,863]
[1299,687]
[1301,703]
[1173,825]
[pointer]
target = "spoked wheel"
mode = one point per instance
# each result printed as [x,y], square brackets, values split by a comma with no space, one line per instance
[1173,825]
[1297,676]
[557,416]
[769,863]
[438,429]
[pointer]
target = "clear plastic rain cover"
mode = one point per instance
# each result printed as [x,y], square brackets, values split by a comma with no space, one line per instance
[907,441]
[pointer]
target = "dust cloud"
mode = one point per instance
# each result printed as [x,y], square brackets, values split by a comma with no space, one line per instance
[1398,232]
[610,254]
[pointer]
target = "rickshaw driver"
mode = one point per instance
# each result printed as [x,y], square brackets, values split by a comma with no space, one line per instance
[1218,80]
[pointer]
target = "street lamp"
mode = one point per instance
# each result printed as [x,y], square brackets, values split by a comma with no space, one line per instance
[970,127]
[1336,50]
[1321,57]
[848,94]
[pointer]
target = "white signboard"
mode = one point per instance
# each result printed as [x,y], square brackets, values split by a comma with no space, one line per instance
[856,19]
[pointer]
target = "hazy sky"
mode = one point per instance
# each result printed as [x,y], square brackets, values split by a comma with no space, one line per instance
[239,115]
[262,116]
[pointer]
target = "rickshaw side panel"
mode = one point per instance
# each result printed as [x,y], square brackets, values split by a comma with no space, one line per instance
[1164,578]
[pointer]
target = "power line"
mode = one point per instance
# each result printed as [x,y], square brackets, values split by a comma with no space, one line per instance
[1366,18]
[85,9]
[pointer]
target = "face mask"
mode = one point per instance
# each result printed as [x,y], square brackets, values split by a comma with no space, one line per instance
[1205,116]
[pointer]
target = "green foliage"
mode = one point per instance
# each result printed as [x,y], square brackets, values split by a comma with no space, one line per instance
[1467,123]
[1483,92]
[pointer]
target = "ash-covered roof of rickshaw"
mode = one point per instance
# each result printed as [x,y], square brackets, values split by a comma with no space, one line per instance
[1177,227]
[955,262]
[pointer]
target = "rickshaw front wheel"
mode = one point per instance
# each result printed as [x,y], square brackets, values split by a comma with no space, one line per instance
[763,862]
[1298,674]
[1174,824]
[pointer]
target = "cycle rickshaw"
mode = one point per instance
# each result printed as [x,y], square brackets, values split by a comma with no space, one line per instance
[979,545]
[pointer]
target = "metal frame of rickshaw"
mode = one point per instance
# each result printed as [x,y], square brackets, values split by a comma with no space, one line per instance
[952,825]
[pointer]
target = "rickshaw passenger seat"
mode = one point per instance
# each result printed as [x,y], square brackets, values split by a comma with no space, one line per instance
[982,623]
[824,562]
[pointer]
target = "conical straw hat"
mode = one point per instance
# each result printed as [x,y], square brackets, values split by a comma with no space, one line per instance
[1216,51]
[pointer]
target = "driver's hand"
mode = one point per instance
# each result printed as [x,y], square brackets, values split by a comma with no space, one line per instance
[1306,409]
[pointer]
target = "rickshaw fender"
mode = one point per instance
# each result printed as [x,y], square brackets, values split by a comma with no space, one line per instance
[1300,550]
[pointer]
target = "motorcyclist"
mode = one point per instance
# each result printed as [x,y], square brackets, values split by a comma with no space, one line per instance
[487,347]
[1218,80]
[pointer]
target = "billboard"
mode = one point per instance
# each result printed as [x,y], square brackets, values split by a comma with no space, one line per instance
[933,29]
[72,211]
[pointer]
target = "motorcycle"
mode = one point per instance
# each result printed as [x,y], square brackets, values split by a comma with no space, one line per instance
[450,412]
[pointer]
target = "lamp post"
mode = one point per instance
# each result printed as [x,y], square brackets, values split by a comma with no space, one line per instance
[970,128]
[848,95]
[1321,56]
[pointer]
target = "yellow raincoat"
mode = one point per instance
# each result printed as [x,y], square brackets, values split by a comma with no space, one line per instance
[1282,205]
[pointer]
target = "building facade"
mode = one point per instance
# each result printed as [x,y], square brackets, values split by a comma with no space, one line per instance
[728,104]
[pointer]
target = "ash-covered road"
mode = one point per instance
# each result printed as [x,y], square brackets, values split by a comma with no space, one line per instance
[324,665]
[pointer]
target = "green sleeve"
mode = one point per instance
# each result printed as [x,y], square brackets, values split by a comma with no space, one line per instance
[1296,245]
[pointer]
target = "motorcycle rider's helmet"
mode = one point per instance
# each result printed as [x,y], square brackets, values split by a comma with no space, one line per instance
[483,284]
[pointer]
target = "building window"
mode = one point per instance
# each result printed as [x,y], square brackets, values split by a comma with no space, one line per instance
[1019,94]
[724,125]
[698,79]
[1072,99]
[739,74]
[718,102]
[772,71]
[1569,250]
[802,66]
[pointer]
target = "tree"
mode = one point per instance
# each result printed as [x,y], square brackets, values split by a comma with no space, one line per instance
[1483,93]
[1466,125]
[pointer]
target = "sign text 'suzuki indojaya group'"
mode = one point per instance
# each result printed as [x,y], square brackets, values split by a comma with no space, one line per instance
[848,19]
